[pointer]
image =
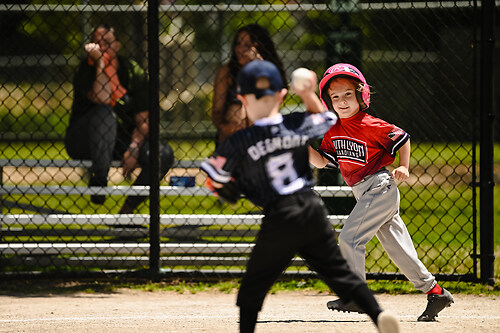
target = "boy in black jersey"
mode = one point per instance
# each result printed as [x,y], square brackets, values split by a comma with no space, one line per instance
[269,162]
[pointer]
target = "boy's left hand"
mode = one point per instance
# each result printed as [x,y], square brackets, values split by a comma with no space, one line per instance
[401,173]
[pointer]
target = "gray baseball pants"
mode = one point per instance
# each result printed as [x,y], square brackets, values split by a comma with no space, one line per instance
[376,213]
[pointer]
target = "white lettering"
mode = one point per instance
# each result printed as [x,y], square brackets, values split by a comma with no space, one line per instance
[277,143]
[269,145]
[253,152]
[261,148]
[287,142]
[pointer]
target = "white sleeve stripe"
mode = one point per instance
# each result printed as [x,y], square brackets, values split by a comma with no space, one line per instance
[331,115]
[220,176]
[399,144]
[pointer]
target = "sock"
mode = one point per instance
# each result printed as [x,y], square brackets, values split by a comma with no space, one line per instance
[248,319]
[436,290]
[363,296]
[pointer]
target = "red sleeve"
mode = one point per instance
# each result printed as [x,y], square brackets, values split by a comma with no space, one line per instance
[390,136]
[327,144]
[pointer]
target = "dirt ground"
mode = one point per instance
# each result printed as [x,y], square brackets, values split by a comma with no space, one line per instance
[141,311]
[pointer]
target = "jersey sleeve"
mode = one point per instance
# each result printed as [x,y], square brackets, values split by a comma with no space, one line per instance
[333,162]
[327,150]
[310,124]
[222,163]
[391,137]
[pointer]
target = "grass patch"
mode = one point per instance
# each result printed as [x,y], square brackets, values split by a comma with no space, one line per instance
[454,287]
[313,285]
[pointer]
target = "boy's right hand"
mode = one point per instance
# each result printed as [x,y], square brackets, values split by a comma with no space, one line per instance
[307,81]
[401,173]
[303,81]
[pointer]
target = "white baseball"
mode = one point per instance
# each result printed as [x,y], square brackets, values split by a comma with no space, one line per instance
[301,79]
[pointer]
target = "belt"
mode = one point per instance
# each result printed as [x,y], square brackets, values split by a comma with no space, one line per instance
[382,169]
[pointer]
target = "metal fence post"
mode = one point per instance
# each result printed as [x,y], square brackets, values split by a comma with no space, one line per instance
[154,134]
[486,142]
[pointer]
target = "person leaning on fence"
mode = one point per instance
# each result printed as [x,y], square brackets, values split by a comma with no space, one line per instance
[270,166]
[251,42]
[110,117]
[361,146]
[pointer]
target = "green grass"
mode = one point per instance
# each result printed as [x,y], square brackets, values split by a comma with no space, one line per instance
[311,285]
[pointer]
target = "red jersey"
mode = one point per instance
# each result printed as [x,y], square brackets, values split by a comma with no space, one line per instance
[362,145]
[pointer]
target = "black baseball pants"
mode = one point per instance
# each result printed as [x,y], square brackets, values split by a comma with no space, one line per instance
[296,224]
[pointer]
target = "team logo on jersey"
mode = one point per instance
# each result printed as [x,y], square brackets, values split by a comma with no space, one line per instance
[351,150]
[395,133]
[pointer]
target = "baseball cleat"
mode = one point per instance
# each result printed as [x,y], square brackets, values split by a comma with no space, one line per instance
[387,322]
[436,303]
[338,305]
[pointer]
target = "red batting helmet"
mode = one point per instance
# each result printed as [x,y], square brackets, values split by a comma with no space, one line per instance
[343,69]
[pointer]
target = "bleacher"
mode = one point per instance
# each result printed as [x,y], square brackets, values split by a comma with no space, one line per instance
[118,241]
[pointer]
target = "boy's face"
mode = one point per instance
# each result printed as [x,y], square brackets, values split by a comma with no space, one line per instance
[342,92]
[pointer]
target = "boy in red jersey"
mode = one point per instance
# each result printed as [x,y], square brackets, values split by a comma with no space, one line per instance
[361,146]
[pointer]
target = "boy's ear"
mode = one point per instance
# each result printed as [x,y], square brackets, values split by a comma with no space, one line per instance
[283,93]
[242,99]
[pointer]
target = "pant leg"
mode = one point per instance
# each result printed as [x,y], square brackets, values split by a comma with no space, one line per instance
[322,254]
[93,137]
[76,140]
[270,256]
[166,161]
[279,240]
[397,242]
[300,225]
[373,208]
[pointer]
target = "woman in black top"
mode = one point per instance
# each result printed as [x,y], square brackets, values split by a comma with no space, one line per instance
[251,42]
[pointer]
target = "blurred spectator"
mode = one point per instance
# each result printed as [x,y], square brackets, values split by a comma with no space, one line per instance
[250,42]
[110,117]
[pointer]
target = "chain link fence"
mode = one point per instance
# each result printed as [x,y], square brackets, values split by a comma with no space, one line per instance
[419,57]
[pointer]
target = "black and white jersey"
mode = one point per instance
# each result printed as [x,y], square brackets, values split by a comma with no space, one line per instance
[270,158]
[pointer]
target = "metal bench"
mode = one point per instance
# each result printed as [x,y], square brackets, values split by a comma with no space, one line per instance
[323,191]
[113,241]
